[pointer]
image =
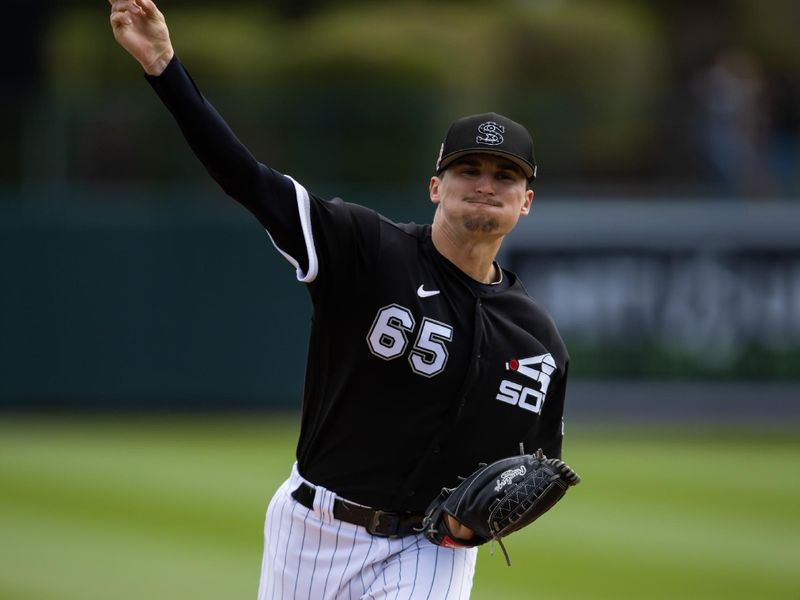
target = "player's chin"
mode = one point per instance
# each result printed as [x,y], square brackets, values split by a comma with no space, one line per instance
[481,224]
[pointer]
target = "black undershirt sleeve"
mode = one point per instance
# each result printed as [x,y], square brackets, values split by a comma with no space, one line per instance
[269,195]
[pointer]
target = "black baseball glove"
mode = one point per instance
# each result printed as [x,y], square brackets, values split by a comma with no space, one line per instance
[498,499]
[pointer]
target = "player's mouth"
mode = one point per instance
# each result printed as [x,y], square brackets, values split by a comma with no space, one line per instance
[484,201]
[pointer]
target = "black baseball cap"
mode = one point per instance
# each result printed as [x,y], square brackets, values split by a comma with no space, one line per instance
[488,133]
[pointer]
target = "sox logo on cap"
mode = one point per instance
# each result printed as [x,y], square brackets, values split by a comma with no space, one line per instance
[490,133]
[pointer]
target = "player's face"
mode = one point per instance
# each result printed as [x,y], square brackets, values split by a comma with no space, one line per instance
[481,194]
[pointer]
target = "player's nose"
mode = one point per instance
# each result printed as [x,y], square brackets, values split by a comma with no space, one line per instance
[485,183]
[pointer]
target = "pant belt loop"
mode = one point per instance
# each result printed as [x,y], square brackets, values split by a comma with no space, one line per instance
[323,504]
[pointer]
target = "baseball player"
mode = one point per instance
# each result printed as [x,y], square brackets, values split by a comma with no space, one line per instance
[425,356]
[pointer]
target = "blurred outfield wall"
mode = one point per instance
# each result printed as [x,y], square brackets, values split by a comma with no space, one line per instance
[668,287]
[131,298]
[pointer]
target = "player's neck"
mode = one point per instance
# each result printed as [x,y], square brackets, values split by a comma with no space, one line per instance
[475,257]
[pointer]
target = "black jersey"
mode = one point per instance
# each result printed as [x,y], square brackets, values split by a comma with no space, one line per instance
[415,371]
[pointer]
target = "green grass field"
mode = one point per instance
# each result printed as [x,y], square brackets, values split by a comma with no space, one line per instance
[172,508]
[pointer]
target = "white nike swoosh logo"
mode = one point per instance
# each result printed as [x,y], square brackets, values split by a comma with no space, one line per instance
[423,293]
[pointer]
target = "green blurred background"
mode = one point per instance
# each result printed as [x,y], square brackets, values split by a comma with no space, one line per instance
[143,507]
[152,343]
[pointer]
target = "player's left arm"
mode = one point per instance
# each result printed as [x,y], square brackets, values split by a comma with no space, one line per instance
[547,435]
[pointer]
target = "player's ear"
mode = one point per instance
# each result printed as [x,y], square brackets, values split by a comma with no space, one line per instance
[434,189]
[527,203]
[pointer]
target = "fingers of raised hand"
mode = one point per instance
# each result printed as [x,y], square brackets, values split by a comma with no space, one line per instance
[124,11]
[120,19]
[149,7]
[144,8]
[131,6]
[123,14]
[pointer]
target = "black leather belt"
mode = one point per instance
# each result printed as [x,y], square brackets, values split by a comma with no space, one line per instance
[376,522]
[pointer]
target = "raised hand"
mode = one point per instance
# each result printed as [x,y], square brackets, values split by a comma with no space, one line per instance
[141,29]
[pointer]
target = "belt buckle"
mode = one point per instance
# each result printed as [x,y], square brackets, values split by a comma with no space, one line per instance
[375,522]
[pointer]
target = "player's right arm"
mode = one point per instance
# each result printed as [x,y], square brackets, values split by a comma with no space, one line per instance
[280,205]
[329,238]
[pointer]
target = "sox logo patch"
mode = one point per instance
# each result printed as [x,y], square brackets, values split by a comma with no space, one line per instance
[539,369]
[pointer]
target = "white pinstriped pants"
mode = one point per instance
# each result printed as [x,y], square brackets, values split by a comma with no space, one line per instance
[310,555]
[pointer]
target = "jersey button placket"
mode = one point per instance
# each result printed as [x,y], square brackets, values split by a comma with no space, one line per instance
[480,308]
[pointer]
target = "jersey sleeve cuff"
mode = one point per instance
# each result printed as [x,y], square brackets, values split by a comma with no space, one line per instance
[169,72]
[304,210]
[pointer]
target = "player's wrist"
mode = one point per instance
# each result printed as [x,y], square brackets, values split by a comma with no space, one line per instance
[157,66]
